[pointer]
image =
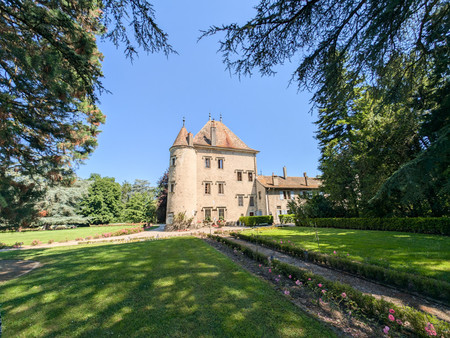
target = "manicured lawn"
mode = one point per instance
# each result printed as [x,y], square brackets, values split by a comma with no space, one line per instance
[177,287]
[428,255]
[44,236]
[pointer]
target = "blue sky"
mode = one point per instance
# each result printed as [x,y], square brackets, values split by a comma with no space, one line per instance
[151,95]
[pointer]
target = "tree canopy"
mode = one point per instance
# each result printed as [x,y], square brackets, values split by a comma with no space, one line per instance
[50,81]
[380,72]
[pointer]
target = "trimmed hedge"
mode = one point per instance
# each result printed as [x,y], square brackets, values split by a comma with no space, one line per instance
[423,225]
[289,218]
[376,309]
[433,288]
[256,220]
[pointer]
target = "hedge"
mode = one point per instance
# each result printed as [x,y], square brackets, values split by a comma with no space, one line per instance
[439,290]
[289,218]
[424,225]
[256,220]
[376,309]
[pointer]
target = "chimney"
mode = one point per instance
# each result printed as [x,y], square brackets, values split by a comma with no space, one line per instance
[190,139]
[274,179]
[306,178]
[284,172]
[213,134]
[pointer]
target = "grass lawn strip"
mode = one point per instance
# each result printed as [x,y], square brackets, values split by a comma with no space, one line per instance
[44,236]
[412,321]
[427,255]
[175,287]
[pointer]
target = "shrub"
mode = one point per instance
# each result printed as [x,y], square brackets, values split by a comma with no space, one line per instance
[255,220]
[36,242]
[289,218]
[437,289]
[18,245]
[3,245]
[424,225]
[51,241]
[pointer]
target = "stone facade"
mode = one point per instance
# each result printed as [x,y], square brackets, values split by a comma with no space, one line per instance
[214,176]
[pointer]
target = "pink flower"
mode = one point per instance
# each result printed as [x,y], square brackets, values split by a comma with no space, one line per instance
[309,278]
[279,276]
[290,276]
[298,282]
[259,265]
[399,322]
[391,311]
[323,291]
[281,242]
[270,270]
[386,330]
[391,318]
[348,254]
[319,285]
[334,252]
[286,292]
[343,294]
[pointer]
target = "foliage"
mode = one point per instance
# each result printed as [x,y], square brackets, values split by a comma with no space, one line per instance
[50,80]
[157,275]
[161,195]
[103,203]
[381,74]
[288,218]
[407,281]
[255,220]
[180,222]
[313,207]
[368,305]
[424,225]
[139,202]
[61,204]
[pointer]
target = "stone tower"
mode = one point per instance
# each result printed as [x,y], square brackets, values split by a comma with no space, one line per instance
[182,190]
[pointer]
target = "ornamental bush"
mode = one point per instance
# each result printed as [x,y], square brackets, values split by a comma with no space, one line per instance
[289,218]
[424,225]
[256,220]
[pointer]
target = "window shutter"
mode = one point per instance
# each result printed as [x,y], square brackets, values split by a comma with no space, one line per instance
[281,195]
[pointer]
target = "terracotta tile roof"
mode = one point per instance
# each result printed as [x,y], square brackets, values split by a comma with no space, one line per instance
[182,137]
[225,138]
[290,182]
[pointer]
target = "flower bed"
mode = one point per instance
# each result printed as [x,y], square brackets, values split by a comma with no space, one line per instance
[406,320]
[430,287]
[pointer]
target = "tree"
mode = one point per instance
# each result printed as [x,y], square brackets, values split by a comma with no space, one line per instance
[162,191]
[140,205]
[103,204]
[397,48]
[50,80]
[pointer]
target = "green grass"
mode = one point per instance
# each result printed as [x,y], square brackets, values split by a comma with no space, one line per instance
[177,287]
[428,255]
[44,236]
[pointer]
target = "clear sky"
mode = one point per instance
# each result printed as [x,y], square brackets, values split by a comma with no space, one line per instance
[151,96]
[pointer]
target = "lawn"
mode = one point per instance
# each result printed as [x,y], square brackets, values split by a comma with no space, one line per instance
[176,287]
[428,255]
[44,236]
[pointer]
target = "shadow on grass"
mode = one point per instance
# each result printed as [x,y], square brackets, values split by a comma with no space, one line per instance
[176,287]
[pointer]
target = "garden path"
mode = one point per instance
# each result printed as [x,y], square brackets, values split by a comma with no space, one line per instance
[365,286]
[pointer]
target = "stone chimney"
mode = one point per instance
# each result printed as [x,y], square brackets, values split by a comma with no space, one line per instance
[306,178]
[213,134]
[190,140]
[274,179]
[284,172]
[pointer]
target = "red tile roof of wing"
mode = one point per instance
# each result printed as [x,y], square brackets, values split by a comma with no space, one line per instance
[290,182]
[225,138]
[181,139]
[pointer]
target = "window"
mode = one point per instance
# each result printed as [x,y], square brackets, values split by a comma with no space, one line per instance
[252,213]
[173,161]
[207,188]
[221,190]
[252,201]
[239,175]
[241,201]
[286,195]
[250,176]
[221,213]
[220,163]
[172,187]
[259,194]
[208,214]
[207,163]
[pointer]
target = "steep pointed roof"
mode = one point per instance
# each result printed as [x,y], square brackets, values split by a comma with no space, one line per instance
[225,138]
[182,138]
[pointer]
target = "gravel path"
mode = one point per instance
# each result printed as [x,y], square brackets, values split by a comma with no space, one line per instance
[365,286]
